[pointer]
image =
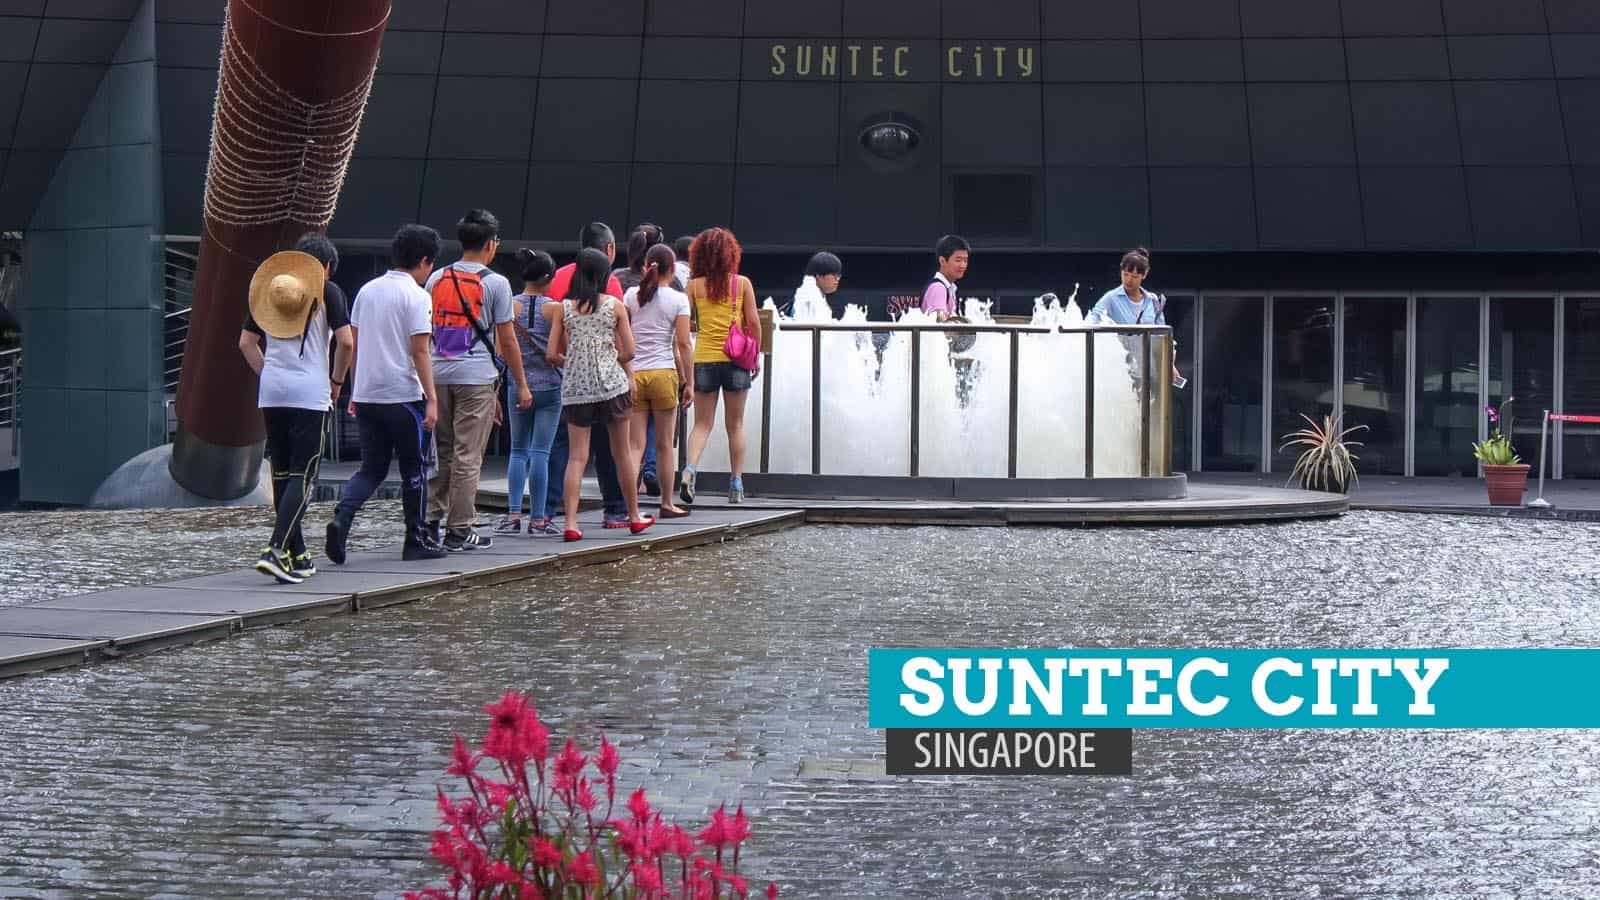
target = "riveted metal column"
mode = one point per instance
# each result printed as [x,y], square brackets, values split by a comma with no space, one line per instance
[916,402]
[1011,430]
[766,414]
[816,402]
[1088,404]
[1144,405]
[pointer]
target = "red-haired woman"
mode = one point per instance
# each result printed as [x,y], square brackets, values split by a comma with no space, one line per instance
[719,294]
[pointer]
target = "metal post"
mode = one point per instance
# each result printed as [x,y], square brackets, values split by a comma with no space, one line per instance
[1088,404]
[1166,404]
[1144,406]
[1011,446]
[916,401]
[816,402]
[1544,433]
[766,414]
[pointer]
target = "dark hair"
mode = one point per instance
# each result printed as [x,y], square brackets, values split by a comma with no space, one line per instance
[950,244]
[680,247]
[824,263]
[595,236]
[659,263]
[1136,260]
[589,279]
[413,244]
[715,256]
[476,229]
[317,244]
[537,267]
[640,241]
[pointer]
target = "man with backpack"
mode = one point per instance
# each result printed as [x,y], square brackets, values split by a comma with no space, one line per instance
[472,315]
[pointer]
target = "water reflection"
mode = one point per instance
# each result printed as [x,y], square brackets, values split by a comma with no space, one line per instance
[299,761]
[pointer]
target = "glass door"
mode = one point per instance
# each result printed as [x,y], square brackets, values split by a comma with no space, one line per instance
[1581,387]
[1231,389]
[1375,381]
[1302,369]
[1522,356]
[1447,380]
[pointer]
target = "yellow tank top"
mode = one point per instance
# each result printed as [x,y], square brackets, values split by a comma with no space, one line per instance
[715,316]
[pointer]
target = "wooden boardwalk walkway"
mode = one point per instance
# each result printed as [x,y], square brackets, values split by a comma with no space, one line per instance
[87,628]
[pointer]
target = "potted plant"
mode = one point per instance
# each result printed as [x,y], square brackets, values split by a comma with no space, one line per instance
[1326,463]
[1503,470]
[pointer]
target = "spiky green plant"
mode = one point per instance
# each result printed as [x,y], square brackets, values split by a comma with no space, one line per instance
[1326,463]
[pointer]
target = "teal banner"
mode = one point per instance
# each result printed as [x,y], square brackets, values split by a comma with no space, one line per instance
[1407,688]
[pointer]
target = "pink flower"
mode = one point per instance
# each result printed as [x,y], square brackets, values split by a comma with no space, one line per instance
[530,891]
[463,762]
[739,886]
[646,878]
[545,854]
[681,843]
[582,869]
[772,890]
[584,796]
[738,830]
[501,873]
[716,834]
[570,763]
[608,759]
[499,794]
[639,806]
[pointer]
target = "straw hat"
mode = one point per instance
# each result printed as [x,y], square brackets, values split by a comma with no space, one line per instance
[282,291]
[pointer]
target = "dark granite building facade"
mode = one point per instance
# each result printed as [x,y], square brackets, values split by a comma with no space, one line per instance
[1387,207]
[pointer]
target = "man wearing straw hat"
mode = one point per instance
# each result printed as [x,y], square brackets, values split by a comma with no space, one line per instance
[294,311]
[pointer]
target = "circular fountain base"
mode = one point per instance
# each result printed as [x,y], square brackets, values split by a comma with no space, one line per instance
[960,489]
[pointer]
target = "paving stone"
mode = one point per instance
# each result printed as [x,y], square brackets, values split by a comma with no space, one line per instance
[250,605]
[120,627]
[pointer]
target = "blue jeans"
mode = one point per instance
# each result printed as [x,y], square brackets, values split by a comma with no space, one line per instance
[649,467]
[532,431]
[605,469]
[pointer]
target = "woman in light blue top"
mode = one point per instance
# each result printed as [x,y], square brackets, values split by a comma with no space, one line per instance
[1130,304]
[532,430]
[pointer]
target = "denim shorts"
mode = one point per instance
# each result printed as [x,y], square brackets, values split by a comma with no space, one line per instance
[712,377]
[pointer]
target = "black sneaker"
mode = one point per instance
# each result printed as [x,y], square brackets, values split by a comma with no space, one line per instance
[455,543]
[434,531]
[276,563]
[652,484]
[303,566]
[420,550]
[334,548]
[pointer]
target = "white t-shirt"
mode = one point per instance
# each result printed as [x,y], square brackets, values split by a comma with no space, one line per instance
[654,326]
[388,310]
[295,373]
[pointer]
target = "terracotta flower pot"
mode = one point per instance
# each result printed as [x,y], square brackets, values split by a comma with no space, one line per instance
[1506,484]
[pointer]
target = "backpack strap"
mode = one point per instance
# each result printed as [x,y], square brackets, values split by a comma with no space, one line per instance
[477,329]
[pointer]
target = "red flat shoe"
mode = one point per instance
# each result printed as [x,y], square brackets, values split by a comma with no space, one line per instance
[641,525]
[571,534]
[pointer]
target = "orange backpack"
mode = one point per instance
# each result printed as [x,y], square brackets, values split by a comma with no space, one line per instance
[458,312]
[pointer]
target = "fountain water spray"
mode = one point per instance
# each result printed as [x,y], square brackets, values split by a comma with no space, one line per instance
[866,397]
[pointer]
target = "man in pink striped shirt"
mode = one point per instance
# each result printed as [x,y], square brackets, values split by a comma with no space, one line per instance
[939,297]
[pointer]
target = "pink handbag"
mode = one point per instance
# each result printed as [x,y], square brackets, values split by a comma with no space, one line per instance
[743,349]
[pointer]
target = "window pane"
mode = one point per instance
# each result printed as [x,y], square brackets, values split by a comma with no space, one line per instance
[1375,382]
[1302,369]
[1522,365]
[1180,315]
[1230,429]
[1582,459]
[1447,386]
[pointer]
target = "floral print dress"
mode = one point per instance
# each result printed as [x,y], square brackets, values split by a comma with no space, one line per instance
[592,373]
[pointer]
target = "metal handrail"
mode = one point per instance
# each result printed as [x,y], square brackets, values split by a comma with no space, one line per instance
[1162,404]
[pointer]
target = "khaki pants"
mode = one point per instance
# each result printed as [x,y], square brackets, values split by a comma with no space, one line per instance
[466,416]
